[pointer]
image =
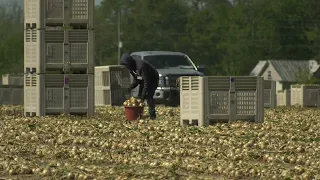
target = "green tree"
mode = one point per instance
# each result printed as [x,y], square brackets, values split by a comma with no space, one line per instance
[229,38]
[155,25]
[249,37]
[106,23]
[11,38]
[145,25]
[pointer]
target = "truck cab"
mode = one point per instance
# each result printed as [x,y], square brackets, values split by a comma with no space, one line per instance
[170,66]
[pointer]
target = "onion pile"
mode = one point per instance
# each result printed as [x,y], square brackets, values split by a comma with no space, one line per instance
[133,102]
[108,146]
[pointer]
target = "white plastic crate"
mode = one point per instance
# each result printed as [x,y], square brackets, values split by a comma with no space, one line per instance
[111,83]
[58,93]
[64,50]
[211,99]
[305,95]
[270,95]
[283,98]
[11,95]
[42,13]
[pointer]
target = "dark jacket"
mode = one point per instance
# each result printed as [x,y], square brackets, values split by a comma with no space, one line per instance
[140,68]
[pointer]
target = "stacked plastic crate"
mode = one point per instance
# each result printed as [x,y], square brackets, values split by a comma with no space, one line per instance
[58,57]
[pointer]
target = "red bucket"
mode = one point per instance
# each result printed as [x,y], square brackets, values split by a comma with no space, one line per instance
[133,113]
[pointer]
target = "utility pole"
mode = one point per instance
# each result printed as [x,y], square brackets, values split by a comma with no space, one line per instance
[119,35]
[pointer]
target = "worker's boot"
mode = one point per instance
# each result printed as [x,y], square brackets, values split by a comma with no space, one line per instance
[152,108]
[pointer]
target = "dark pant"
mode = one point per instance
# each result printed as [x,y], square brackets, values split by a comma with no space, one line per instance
[149,97]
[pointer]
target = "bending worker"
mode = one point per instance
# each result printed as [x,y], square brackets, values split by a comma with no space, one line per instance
[146,76]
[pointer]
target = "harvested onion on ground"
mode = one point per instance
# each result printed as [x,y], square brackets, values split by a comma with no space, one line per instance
[107,146]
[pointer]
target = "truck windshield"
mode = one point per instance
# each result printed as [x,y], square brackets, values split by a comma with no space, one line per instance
[168,61]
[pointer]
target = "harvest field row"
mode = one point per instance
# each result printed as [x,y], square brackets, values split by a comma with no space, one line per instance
[107,146]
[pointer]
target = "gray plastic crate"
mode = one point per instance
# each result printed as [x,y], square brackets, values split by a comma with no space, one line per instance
[52,94]
[111,83]
[61,50]
[11,95]
[270,95]
[211,99]
[305,95]
[42,13]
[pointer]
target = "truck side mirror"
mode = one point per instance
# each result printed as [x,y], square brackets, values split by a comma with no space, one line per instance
[201,68]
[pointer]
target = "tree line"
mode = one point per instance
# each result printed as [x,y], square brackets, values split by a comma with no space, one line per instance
[229,37]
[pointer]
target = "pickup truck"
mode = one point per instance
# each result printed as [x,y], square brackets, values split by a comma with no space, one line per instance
[170,65]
